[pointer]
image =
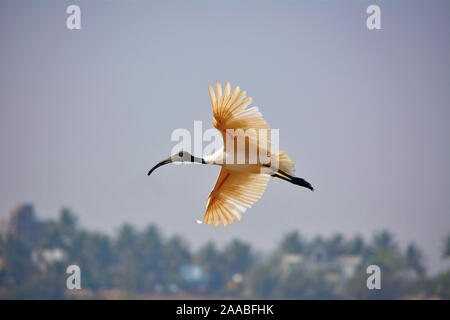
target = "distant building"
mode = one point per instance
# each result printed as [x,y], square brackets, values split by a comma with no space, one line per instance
[47,257]
[348,265]
[290,262]
[344,265]
[194,276]
[192,273]
[318,258]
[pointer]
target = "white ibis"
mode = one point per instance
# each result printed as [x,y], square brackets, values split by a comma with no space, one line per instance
[240,184]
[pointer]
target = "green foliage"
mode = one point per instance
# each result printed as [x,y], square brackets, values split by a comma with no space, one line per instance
[441,285]
[356,245]
[17,261]
[446,253]
[144,262]
[213,263]
[292,243]
[414,259]
[302,284]
[238,257]
[264,279]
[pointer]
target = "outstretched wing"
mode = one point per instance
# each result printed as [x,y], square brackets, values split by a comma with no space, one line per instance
[234,192]
[230,112]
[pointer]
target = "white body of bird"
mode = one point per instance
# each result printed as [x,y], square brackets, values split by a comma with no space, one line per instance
[246,160]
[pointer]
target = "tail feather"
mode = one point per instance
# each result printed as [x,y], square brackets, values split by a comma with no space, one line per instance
[285,163]
[286,169]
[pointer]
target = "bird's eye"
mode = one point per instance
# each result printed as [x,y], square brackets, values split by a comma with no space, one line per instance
[180,153]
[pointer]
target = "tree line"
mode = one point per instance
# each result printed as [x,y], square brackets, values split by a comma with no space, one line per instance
[142,263]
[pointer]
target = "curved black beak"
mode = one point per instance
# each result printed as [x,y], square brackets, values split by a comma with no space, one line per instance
[167,161]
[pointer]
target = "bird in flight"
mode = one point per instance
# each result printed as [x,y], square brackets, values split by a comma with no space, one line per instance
[240,183]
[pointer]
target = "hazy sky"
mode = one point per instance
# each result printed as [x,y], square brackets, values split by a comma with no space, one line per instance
[364,114]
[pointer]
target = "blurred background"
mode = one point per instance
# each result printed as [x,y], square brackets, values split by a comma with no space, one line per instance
[85,113]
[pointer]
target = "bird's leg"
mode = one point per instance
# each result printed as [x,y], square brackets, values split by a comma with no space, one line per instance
[294,180]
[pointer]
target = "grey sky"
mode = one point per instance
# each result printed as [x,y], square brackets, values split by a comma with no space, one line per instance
[364,114]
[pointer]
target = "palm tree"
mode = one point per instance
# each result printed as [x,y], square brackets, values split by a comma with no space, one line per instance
[356,245]
[177,253]
[292,243]
[384,240]
[414,259]
[238,256]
